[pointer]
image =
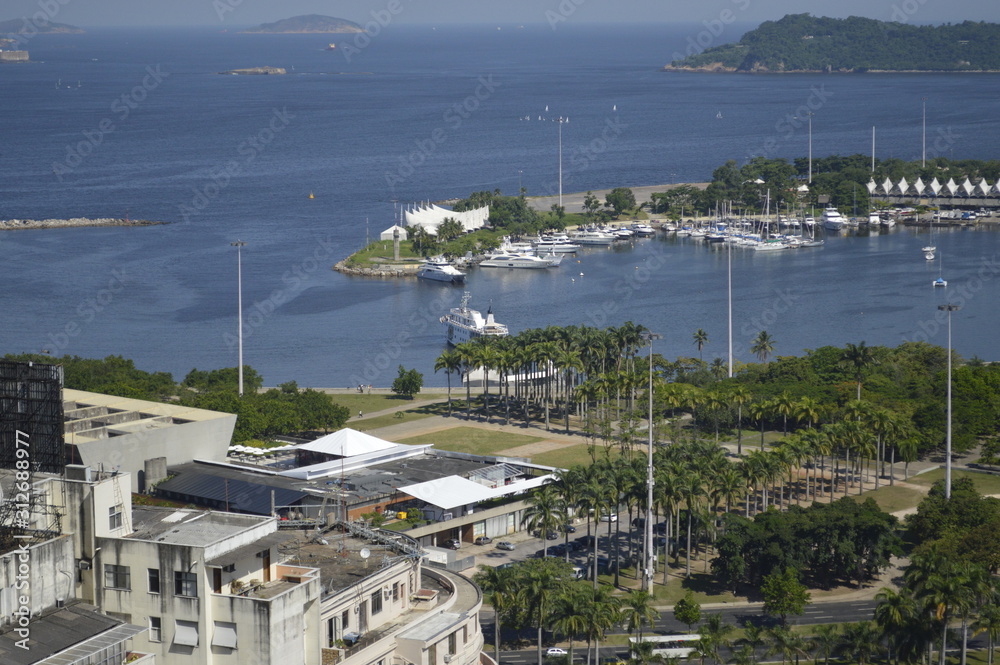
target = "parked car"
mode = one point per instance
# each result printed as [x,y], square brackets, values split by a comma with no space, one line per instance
[569,528]
[557,550]
[483,540]
[555,651]
[505,545]
[586,541]
[609,517]
[551,535]
[453,544]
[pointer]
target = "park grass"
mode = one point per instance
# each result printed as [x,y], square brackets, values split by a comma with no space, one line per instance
[380,402]
[893,498]
[378,422]
[986,483]
[573,454]
[472,440]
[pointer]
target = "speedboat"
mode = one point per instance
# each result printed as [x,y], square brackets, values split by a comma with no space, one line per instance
[465,323]
[832,220]
[440,270]
[642,229]
[520,260]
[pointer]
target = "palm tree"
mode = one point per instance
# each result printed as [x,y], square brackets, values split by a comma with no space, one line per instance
[739,397]
[783,406]
[700,339]
[569,361]
[807,409]
[638,610]
[762,346]
[546,512]
[713,635]
[496,584]
[860,642]
[825,642]
[693,488]
[602,610]
[760,411]
[449,361]
[791,646]
[567,616]
[989,623]
[859,358]
[466,352]
[753,639]
[537,593]
[895,614]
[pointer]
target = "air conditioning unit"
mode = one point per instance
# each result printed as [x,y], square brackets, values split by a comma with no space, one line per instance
[84,564]
[448,657]
[446,516]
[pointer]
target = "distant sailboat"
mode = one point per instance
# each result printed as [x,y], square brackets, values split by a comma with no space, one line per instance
[546,108]
[719,115]
[614,108]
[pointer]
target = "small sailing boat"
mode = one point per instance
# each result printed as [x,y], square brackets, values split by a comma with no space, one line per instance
[311,195]
[940,281]
[719,115]
[929,252]
[614,108]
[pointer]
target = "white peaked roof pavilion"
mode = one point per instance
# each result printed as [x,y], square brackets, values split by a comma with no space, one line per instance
[455,491]
[430,216]
[347,443]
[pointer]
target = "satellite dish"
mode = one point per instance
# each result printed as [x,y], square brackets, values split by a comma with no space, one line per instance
[365,553]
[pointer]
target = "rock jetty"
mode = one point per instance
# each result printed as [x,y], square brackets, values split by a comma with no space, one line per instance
[21,224]
[378,269]
[256,71]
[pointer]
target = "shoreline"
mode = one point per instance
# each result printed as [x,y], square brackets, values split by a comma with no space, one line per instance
[75,222]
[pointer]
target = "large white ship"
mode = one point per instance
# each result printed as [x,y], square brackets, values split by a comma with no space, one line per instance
[465,323]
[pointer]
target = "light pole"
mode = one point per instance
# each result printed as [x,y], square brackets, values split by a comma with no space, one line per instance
[810,116]
[239,244]
[923,150]
[560,160]
[519,187]
[947,444]
[647,577]
[729,261]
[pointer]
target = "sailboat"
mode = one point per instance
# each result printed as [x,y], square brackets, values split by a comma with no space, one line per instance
[614,108]
[719,115]
[940,281]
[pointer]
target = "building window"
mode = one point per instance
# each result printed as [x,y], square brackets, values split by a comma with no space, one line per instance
[155,629]
[376,602]
[345,621]
[117,577]
[465,634]
[153,576]
[116,517]
[453,643]
[395,591]
[185,584]
[432,654]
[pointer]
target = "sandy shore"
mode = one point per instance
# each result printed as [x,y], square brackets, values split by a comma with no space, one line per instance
[21,224]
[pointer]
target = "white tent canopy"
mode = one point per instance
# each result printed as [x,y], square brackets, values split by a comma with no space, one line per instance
[430,216]
[346,443]
[387,234]
[453,491]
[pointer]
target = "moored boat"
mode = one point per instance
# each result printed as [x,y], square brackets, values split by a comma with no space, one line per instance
[464,323]
[520,260]
[832,220]
[439,270]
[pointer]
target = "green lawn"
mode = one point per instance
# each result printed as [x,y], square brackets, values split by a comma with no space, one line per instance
[986,483]
[368,424]
[570,455]
[472,440]
[894,498]
[368,403]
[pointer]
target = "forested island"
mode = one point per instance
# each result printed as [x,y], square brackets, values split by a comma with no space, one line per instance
[308,24]
[805,43]
[21,25]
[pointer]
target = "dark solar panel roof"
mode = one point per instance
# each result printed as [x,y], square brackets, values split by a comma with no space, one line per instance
[56,631]
[228,494]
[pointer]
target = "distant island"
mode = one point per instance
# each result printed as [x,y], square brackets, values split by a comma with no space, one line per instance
[17,25]
[804,43]
[256,71]
[308,24]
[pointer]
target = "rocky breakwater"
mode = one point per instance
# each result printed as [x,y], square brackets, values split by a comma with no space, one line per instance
[359,269]
[22,224]
[256,71]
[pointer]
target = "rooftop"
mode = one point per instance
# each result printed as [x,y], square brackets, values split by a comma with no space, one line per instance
[93,416]
[339,561]
[73,632]
[194,528]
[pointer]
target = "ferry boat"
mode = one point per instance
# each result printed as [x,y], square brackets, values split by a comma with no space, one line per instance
[465,323]
[832,219]
[438,269]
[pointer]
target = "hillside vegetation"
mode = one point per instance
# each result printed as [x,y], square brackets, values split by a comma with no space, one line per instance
[309,23]
[801,42]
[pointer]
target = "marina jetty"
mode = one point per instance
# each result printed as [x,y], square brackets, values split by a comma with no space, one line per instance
[23,224]
[389,268]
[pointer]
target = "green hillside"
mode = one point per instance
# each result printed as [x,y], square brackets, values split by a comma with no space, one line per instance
[310,23]
[801,42]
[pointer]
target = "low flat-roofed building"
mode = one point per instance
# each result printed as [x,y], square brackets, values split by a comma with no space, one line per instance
[106,433]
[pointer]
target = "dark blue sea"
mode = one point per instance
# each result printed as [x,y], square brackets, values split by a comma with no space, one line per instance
[140,123]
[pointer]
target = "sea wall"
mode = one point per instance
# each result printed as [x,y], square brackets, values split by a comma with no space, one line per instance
[13,56]
[21,224]
[378,270]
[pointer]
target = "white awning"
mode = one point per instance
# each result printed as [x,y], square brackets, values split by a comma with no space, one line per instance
[186,633]
[347,443]
[454,491]
[224,635]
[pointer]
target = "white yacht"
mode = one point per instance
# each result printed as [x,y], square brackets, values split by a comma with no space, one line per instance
[440,270]
[465,323]
[593,238]
[555,244]
[642,229]
[520,260]
[832,220]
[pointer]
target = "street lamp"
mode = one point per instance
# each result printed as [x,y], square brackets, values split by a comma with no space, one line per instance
[923,151]
[647,578]
[239,244]
[560,120]
[947,445]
